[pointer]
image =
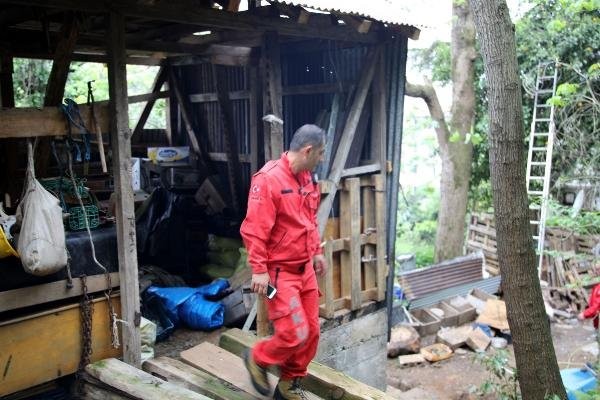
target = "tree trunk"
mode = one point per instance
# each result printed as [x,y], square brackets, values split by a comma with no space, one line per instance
[456,154]
[537,368]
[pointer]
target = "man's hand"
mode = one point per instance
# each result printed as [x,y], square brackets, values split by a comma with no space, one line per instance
[580,316]
[320,264]
[259,283]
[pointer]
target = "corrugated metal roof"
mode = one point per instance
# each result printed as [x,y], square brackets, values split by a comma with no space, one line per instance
[392,12]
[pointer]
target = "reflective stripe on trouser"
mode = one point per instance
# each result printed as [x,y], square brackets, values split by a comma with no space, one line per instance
[294,312]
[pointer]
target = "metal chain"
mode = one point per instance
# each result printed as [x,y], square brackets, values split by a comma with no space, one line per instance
[86,310]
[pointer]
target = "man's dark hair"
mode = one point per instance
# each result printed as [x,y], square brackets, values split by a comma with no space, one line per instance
[307,135]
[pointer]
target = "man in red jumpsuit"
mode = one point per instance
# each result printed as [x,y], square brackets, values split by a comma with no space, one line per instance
[281,235]
[593,307]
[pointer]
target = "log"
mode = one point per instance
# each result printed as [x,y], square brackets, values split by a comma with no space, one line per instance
[136,383]
[403,340]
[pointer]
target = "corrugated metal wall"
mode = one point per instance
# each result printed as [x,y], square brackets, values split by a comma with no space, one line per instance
[300,66]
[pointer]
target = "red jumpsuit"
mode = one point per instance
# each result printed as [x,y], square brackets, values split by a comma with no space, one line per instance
[594,305]
[281,236]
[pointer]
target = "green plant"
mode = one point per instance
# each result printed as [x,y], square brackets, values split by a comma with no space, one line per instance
[503,381]
[583,223]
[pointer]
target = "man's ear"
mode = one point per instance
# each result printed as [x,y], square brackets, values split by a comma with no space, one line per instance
[307,149]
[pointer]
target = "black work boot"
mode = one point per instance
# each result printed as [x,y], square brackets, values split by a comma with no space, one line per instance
[258,374]
[289,390]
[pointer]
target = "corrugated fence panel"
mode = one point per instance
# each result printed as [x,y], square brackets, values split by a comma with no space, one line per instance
[418,283]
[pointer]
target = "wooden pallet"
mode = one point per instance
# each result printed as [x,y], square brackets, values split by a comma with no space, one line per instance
[482,237]
[355,247]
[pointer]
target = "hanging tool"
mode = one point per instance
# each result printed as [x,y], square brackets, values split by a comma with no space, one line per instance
[96,126]
[71,111]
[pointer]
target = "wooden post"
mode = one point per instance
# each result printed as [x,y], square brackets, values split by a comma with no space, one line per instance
[350,228]
[273,100]
[55,88]
[326,283]
[125,213]
[343,149]
[9,146]
[369,251]
[160,79]
[253,117]
[380,212]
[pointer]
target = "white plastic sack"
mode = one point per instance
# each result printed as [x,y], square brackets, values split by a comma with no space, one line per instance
[41,244]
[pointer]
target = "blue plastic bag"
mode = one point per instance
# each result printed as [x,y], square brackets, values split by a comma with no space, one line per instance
[172,298]
[215,288]
[199,313]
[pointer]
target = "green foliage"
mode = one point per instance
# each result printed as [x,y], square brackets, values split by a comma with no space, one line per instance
[435,60]
[584,222]
[503,381]
[31,76]
[593,394]
[417,223]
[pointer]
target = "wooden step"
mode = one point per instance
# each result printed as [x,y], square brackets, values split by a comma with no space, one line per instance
[184,375]
[226,366]
[137,384]
[321,380]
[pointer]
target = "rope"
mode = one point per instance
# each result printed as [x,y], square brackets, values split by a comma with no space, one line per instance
[114,333]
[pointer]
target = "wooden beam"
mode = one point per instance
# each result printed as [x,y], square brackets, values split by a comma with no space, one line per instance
[361,25]
[137,384]
[350,227]
[380,223]
[212,96]
[186,376]
[273,95]
[321,380]
[369,251]
[181,12]
[159,80]
[55,88]
[46,346]
[47,292]
[343,149]
[87,57]
[253,117]
[8,187]
[234,170]
[362,170]
[125,212]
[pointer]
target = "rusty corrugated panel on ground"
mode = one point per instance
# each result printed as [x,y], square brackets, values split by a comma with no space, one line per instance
[418,283]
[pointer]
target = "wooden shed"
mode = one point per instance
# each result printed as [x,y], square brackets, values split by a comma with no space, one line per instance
[238,84]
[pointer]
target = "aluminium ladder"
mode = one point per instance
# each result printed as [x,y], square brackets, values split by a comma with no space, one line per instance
[539,158]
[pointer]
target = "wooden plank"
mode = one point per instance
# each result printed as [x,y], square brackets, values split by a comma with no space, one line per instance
[381,234]
[186,376]
[212,96]
[273,100]
[125,212]
[362,170]
[348,134]
[46,121]
[224,365]
[234,171]
[326,283]
[321,380]
[42,347]
[136,383]
[350,227]
[159,80]
[47,292]
[369,250]
[8,186]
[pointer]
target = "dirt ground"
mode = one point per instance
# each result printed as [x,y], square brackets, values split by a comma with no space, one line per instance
[456,377]
[451,379]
